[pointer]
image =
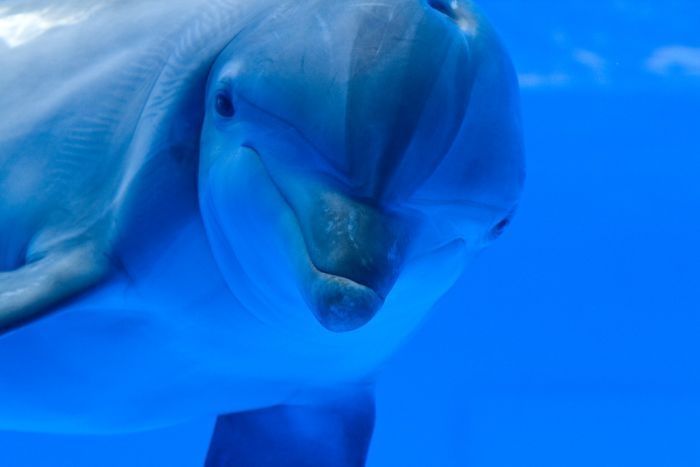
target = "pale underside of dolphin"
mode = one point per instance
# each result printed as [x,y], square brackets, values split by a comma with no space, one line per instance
[221,206]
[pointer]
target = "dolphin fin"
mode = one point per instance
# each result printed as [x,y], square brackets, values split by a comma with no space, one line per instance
[30,290]
[332,433]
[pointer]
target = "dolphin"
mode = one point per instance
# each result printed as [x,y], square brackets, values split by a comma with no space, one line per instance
[243,208]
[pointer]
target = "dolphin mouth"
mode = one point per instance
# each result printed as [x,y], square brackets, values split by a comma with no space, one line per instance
[341,304]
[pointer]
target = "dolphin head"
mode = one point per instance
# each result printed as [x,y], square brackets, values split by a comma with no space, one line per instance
[344,141]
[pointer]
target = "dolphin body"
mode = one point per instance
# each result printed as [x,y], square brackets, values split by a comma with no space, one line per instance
[228,206]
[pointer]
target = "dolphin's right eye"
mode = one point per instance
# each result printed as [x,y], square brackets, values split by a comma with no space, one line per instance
[224,106]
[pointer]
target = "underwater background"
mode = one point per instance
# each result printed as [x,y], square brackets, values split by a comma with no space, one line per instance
[575,339]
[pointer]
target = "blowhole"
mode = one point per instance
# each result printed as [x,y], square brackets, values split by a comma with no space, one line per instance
[446,7]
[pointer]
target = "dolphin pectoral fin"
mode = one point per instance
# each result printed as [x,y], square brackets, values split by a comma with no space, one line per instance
[333,433]
[30,290]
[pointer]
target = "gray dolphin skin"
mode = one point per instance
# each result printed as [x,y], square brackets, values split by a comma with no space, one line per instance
[234,206]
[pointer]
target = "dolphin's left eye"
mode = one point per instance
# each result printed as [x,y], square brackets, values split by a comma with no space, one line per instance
[498,229]
[224,106]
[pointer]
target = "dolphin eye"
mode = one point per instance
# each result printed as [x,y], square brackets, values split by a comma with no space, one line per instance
[498,229]
[224,106]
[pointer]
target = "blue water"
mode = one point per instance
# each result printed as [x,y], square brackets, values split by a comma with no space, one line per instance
[573,340]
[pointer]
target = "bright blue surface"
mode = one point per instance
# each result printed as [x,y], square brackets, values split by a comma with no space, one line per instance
[573,341]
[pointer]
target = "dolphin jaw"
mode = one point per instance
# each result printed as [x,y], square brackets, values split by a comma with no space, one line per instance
[341,304]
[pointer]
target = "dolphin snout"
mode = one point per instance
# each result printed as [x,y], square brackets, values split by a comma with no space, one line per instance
[357,241]
[358,251]
[341,304]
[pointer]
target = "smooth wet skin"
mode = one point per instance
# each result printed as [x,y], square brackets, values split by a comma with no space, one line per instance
[229,204]
[358,251]
[355,240]
[357,141]
[341,304]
